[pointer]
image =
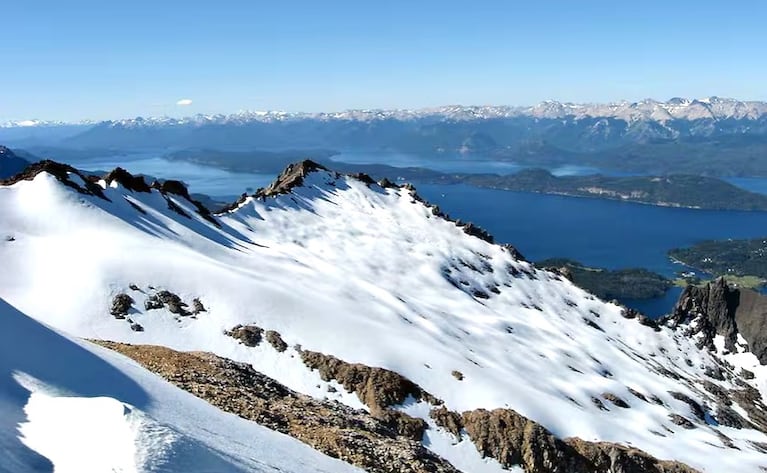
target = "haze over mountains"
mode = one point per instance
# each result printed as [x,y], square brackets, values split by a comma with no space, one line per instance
[723,135]
[729,115]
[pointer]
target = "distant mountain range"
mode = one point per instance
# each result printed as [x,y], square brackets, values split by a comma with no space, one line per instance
[713,108]
[711,136]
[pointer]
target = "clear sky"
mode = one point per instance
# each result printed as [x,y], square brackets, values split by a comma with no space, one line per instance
[81,59]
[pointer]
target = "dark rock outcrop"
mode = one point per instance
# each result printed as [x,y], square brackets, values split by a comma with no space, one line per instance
[448,420]
[617,401]
[248,335]
[697,410]
[681,421]
[62,173]
[718,309]
[167,299]
[121,305]
[197,306]
[292,176]
[377,388]
[127,180]
[512,439]
[276,341]
[179,188]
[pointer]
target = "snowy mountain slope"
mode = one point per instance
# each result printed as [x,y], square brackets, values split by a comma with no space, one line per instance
[75,407]
[370,275]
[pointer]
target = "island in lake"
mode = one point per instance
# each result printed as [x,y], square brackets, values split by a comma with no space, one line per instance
[741,262]
[633,283]
[687,191]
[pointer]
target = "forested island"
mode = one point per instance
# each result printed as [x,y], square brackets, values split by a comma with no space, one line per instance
[743,262]
[633,283]
[688,191]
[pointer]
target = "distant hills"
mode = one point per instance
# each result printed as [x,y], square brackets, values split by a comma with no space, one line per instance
[10,163]
[711,136]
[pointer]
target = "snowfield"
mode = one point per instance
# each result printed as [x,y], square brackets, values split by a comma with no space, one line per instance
[364,273]
[72,407]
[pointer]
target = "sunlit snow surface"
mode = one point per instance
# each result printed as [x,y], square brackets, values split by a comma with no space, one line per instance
[73,407]
[372,276]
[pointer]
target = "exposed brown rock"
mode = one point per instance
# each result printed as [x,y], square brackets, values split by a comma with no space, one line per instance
[292,176]
[197,306]
[354,436]
[696,408]
[637,394]
[179,188]
[361,176]
[121,305]
[512,439]
[719,309]
[457,375]
[276,341]
[377,388]
[387,184]
[127,180]
[248,335]
[681,421]
[172,301]
[233,205]
[751,401]
[61,172]
[448,420]
[610,457]
[616,400]
[406,426]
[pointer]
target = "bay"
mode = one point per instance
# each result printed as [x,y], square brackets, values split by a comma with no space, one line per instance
[596,232]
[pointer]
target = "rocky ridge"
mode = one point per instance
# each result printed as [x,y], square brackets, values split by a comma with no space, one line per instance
[719,309]
[372,441]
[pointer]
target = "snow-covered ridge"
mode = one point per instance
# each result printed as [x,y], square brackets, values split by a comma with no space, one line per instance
[368,274]
[35,123]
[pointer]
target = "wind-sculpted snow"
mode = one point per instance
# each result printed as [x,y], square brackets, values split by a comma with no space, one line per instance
[369,275]
[74,407]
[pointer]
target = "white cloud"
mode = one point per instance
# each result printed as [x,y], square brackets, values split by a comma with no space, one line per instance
[184,102]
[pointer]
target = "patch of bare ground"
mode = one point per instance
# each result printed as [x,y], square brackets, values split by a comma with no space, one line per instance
[380,445]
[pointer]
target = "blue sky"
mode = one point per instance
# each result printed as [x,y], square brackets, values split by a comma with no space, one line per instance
[84,59]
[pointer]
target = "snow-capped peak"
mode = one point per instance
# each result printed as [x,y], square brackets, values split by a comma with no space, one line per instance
[714,108]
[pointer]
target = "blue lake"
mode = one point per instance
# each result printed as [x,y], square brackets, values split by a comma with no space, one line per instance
[212,181]
[456,163]
[595,232]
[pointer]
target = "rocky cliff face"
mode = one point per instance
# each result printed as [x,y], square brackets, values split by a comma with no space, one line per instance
[718,309]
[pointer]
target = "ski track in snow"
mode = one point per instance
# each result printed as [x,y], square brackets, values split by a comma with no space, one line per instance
[371,276]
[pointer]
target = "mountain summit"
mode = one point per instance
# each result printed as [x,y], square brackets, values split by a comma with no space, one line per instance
[355,317]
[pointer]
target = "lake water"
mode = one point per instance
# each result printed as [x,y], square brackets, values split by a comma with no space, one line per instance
[456,163]
[215,182]
[595,232]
